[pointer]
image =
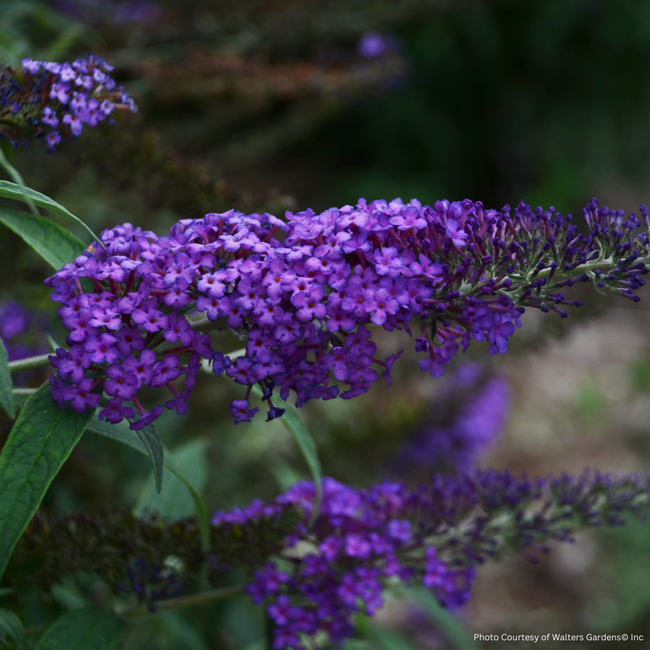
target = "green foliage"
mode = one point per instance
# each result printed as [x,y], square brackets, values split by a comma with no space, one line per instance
[444,620]
[123,434]
[14,191]
[387,640]
[174,501]
[305,442]
[150,438]
[56,245]
[89,628]
[6,385]
[39,443]
[12,632]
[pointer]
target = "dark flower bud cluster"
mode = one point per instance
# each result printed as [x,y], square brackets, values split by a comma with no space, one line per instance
[364,540]
[464,422]
[151,582]
[301,293]
[148,557]
[53,100]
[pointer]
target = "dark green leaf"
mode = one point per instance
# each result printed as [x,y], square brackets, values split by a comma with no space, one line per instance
[305,442]
[41,439]
[14,191]
[6,385]
[11,629]
[119,432]
[151,440]
[174,502]
[444,620]
[89,628]
[123,434]
[54,244]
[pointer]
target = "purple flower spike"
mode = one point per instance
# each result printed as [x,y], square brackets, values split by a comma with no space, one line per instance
[303,302]
[54,100]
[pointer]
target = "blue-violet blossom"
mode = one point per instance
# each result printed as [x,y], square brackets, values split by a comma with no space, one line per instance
[304,292]
[54,100]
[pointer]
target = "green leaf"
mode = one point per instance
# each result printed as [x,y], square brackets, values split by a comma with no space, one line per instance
[389,640]
[123,434]
[11,629]
[6,385]
[18,179]
[89,628]
[54,244]
[182,630]
[151,440]
[444,620]
[146,441]
[174,502]
[14,191]
[39,443]
[54,346]
[305,442]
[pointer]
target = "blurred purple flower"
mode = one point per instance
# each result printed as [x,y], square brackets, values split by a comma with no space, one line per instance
[465,434]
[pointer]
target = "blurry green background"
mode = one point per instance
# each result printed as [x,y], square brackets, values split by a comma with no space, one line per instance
[268,106]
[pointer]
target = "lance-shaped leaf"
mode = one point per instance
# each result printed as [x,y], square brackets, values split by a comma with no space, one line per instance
[54,244]
[6,385]
[444,620]
[14,191]
[123,434]
[173,502]
[41,439]
[11,630]
[89,628]
[305,443]
[151,440]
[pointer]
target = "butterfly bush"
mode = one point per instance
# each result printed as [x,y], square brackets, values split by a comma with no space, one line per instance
[303,292]
[434,535]
[459,438]
[52,100]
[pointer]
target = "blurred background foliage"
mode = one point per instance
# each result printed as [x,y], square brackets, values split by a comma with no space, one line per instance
[276,104]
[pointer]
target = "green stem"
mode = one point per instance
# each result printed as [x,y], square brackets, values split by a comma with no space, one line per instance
[41,361]
[183,601]
[26,392]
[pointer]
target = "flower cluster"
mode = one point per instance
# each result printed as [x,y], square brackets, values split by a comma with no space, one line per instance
[362,540]
[302,292]
[50,100]
[464,422]
[18,325]
[359,540]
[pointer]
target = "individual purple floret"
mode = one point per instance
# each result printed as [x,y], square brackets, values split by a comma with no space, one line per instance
[305,293]
[464,423]
[435,535]
[53,100]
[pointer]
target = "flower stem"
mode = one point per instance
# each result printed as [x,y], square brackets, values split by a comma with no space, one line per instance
[40,361]
[183,601]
